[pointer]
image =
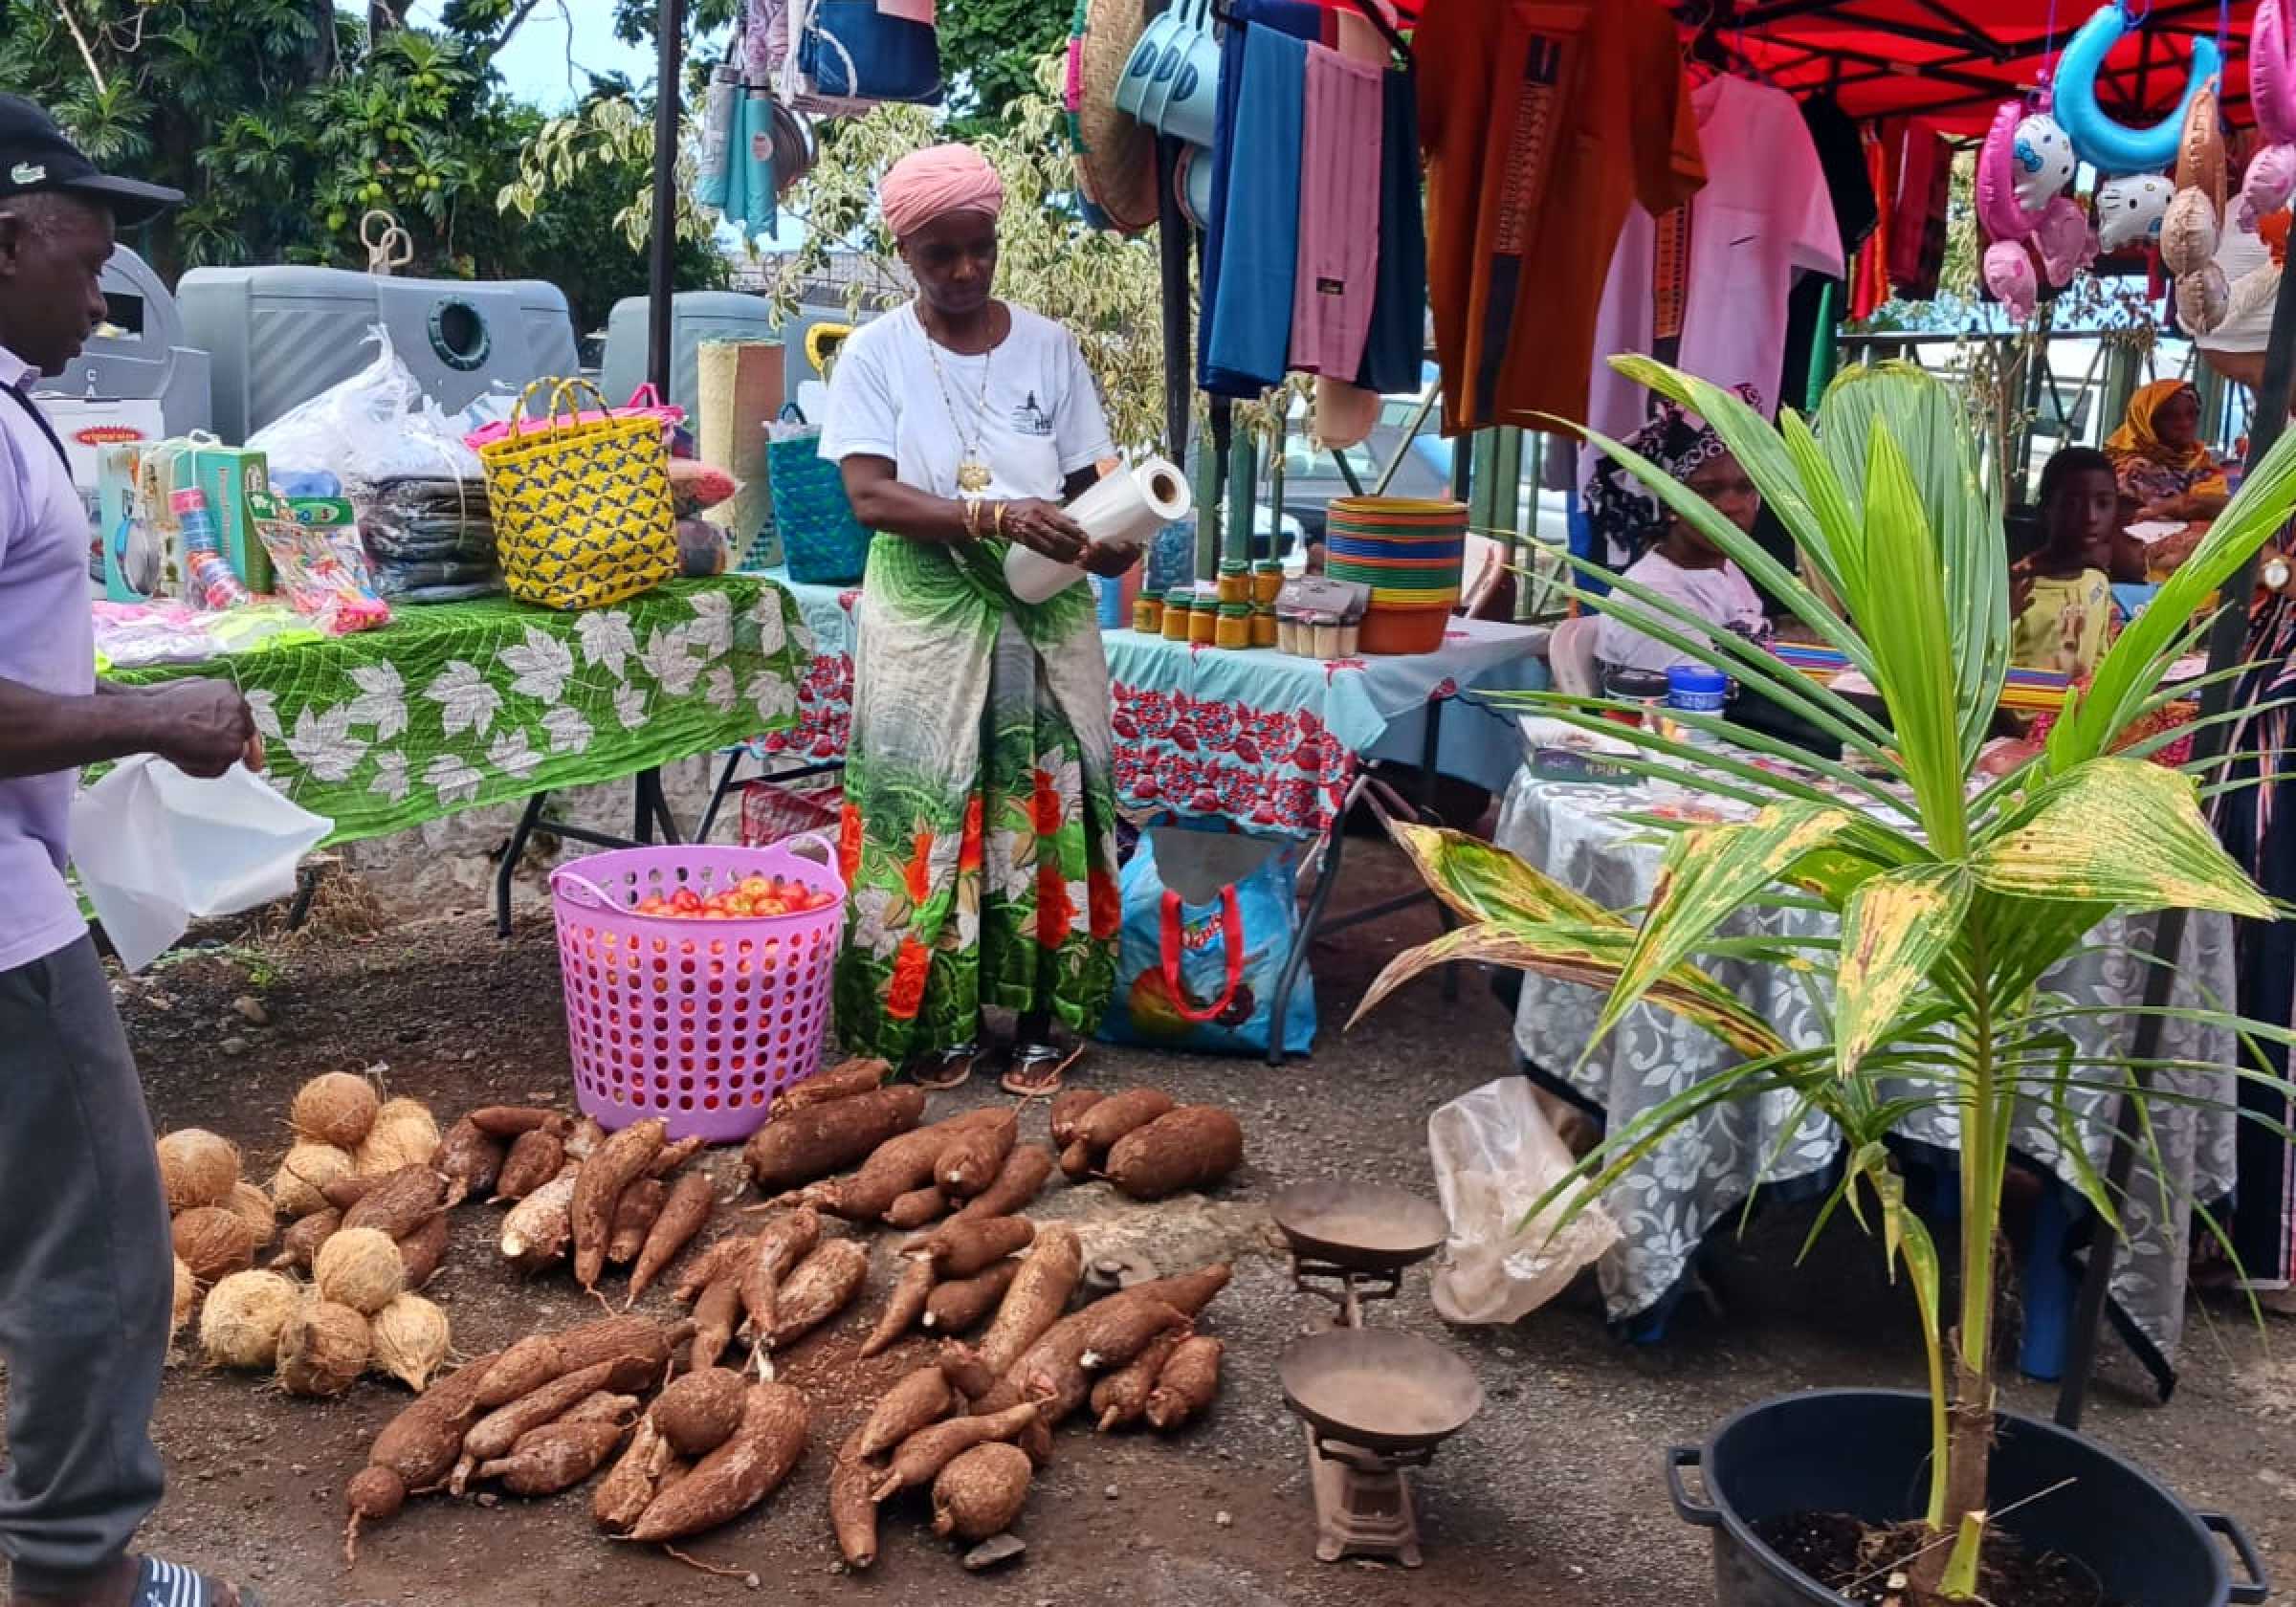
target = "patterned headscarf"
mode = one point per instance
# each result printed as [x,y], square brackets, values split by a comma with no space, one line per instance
[2136,438]
[1625,515]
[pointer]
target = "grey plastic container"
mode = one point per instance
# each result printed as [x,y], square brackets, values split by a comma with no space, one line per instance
[279,336]
[696,316]
[152,360]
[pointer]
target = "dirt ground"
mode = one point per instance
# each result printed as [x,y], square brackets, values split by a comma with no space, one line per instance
[1552,1495]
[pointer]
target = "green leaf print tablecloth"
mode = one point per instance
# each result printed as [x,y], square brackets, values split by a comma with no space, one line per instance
[466,704]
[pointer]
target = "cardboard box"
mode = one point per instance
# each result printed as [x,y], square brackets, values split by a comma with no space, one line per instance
[230,475]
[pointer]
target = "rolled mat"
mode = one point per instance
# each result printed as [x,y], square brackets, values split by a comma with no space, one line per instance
[737,388]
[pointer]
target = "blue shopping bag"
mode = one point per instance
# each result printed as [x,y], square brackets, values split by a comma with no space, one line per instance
[1209,916]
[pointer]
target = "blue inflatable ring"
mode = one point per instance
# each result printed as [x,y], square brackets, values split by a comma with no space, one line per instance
[2097,140]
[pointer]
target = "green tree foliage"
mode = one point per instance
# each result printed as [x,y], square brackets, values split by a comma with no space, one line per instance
[286,125]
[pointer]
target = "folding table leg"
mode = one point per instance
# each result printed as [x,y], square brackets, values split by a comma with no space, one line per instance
[1327,876]
[725,784]
[511,855]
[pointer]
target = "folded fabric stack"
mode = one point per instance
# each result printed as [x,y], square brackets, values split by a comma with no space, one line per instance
[430,539]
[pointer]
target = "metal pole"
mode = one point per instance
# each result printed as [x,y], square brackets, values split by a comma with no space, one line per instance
[1172,256]
[2227,644]
[669,71]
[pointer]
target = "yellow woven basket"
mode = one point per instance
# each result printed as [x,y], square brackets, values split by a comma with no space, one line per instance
[582,506]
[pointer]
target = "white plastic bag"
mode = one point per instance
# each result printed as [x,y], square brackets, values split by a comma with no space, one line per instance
[157,850]
[375,426]
[1495,1156]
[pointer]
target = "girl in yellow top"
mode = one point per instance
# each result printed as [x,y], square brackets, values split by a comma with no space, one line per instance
[2060,598]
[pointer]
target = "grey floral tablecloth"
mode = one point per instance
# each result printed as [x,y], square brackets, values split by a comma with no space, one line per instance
[1676,1196]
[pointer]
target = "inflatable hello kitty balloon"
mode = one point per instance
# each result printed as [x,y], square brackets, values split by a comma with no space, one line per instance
[2009,276]
[2042,157]
[2130,208]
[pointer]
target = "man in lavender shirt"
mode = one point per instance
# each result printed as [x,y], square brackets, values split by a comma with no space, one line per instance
[86,1273]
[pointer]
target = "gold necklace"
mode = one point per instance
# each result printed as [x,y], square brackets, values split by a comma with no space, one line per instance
[972,471]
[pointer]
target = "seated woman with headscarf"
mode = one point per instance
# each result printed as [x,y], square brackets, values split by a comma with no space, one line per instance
[979,829]
[2165,469]
[1665,553]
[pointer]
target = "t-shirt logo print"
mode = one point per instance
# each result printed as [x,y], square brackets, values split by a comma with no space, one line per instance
[1030,419]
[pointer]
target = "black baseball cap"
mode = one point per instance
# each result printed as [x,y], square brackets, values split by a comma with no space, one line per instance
[35,155]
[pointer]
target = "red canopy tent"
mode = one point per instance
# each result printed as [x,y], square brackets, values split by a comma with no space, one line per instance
[1951,61]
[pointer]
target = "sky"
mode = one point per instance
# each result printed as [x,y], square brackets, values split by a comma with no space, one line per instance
[535,65]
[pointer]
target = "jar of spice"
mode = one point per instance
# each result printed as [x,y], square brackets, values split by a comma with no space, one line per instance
[1234,625]
[1204,626]
[1235,582]
[1178,602]
[1148,613]
[1267,579]
[1262,628]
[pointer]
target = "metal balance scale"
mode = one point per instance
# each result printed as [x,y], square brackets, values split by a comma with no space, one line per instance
[1376,1401]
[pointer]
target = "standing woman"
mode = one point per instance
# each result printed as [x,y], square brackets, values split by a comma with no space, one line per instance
[979,832]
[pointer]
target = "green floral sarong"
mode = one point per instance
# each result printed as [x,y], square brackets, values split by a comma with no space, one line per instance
[979,833]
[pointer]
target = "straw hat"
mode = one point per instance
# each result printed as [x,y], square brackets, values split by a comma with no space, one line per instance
[1115,159]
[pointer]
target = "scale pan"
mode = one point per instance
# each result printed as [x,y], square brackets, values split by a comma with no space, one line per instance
[1363,1227]
[1378,1388]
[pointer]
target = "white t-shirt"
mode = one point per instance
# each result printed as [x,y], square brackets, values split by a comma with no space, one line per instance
[1723,595]
[1027,405]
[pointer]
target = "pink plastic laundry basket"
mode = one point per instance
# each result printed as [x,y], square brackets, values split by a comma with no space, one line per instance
[698,1022]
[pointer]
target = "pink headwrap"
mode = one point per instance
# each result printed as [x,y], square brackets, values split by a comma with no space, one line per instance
[937,180]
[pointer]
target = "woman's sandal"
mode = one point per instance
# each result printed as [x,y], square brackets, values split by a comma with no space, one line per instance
[945,1070]
[170,1584]
[1036,1070]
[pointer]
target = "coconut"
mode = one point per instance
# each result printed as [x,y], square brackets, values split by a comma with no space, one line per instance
[197,1168]
[214,1242]
[404,1134]
[359,1267]
[322,1349]
[410,1337]
[337,1109]
[307,1168]
[239,1326]
[252,1206]
[186,1292]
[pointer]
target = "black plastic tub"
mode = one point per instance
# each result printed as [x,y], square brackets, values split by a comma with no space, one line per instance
[1865,1453]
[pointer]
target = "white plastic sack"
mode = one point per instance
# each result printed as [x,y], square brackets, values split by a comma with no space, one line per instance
[375,426]
[1495,1156]
[157,850]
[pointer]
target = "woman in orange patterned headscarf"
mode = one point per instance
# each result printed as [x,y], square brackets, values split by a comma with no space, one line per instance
[2163,465]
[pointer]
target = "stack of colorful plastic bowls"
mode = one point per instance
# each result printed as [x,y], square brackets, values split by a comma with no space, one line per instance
[1409,553]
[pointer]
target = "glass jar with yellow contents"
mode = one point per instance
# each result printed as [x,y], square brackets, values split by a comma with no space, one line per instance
[1178,602]
[1148,613]
[1235,582]
[1233,629]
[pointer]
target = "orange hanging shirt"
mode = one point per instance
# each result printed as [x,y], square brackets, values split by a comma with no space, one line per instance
[1541,121]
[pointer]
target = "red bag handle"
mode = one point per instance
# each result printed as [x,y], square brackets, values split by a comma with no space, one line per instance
[1231,937]
[645,396]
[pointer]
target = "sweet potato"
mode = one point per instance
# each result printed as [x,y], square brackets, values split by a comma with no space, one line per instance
[818,1139]
[699,1412]
[1118,1114]
[779,1247]
[853,1514]
[555,1457]
[902,1307]
[302,1239]
[1187,1385]
[470,1159]
[957,1305]
[1069,1107]
[715,1314]
[1019,1181]
[635,1480]
[962,1249]
[925,1453]
[841,1081]
[704,1269]
[1040,1292]
[824,1284]
[536,1157]
[509,1121]
[739,1474]
[494,1434]
[920,1399]
[972,1159]
[671,1156]
[1077,1160]
[915,1208]
[400,1203]
[421,1251]
[683,1214]
[1121,1397]
[614,1166]
[535,1233]
[967,1374]
[634,1215]
[981,1492]
[1193,1147]
[1190,1291]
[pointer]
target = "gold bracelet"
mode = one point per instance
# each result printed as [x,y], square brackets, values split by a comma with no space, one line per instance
[1000,516]
[971,517]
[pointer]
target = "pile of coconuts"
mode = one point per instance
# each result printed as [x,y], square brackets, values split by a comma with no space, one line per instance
[365,1256]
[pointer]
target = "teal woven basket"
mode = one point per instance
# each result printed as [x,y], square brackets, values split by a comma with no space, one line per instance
[822,542]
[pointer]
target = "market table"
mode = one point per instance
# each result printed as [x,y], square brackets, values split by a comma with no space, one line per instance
[1669,1200]
[460,705]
